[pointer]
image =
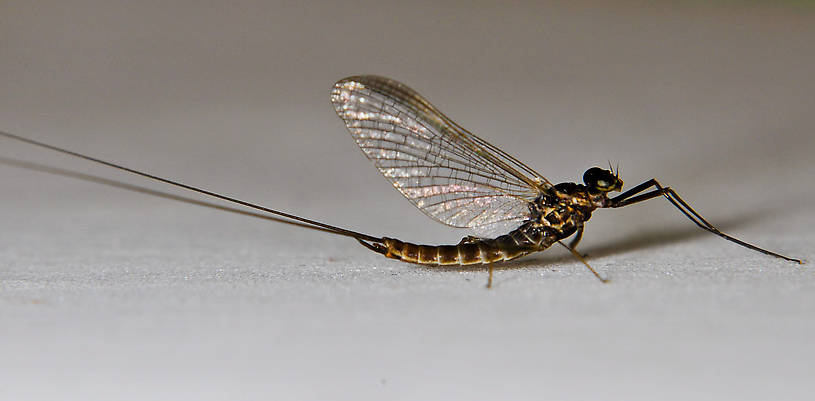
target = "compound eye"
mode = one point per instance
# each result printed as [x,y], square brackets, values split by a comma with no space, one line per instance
[599,180]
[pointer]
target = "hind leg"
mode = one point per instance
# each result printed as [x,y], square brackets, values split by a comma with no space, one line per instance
[582,260]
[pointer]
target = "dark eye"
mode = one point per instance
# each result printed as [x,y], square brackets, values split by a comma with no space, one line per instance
[600,180]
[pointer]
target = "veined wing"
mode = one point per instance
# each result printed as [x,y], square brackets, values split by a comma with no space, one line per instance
[449,173]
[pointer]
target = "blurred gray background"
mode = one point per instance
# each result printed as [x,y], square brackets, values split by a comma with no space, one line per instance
[110,294]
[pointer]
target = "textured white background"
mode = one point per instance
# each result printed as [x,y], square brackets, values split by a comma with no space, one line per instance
[109,294]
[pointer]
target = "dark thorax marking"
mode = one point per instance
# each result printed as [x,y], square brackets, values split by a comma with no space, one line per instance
[566,209]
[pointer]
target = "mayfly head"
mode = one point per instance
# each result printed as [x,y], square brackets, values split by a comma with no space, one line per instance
[600,180]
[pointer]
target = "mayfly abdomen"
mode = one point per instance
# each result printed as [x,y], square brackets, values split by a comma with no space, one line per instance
[434,255]
[470,251]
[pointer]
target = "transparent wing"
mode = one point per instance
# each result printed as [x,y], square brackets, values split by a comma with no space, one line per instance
[450,174]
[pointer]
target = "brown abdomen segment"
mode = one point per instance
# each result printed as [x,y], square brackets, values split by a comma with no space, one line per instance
[479,251]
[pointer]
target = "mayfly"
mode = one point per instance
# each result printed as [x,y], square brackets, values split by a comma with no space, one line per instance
[460,180]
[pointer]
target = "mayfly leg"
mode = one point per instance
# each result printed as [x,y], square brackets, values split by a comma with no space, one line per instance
[630,197]
[580,257]
[577,237]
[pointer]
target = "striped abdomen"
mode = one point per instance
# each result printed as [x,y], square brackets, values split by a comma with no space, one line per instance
[517,243]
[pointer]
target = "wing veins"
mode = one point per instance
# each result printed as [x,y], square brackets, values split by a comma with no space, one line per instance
[423,155]
[460,133]
[450,174]
[463,134]
[451,148]
[489,177]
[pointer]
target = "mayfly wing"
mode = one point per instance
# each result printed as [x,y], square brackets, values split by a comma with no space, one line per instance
[447,172]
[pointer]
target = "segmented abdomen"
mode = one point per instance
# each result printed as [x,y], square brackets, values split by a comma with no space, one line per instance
[517,243]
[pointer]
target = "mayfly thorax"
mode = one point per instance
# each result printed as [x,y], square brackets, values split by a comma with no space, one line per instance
[460,180]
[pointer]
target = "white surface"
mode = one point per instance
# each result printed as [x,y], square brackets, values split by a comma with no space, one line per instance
[108,294]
